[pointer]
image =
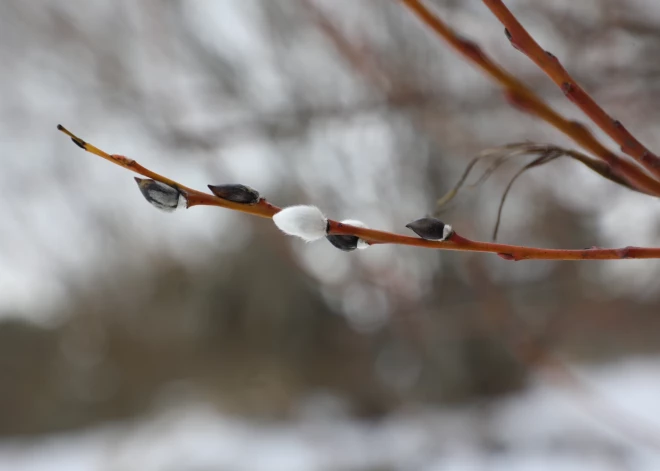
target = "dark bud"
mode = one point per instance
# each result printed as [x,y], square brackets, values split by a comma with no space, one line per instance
[431,229]
[347,243]
[236,193]
[162,196]
[79,142]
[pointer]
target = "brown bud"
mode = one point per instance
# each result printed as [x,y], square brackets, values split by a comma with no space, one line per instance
[236,192]
[431,229]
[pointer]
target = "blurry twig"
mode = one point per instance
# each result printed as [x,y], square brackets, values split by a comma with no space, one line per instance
[291,123]
[525,99]
[537,162]
[523,41]
[545,153]
[359,59]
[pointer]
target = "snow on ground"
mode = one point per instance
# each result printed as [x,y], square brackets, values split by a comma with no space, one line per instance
[547,427]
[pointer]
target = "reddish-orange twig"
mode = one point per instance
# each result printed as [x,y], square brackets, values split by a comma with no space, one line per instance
[524,98]
[194,197]
[523,41]
[456,242]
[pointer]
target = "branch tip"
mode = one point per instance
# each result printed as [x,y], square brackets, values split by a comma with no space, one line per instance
[76,140]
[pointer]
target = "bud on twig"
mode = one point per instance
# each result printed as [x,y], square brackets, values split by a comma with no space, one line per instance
[348,243]
[162,196]
[306,222]
[431,229]
[236,192]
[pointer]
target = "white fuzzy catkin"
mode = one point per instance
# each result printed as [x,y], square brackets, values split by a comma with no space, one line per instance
[446,232]
[361,244]
[306,222]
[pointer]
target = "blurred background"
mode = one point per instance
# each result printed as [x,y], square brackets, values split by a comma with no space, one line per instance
[207,340]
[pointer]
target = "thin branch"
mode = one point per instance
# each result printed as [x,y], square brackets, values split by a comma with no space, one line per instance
[541,160]
[525,99]
[545,153]
[195,197]
[548,62]
[455,242]
[501,155]
[447,197]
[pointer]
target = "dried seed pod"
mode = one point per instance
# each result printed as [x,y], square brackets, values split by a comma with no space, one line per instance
[162,196]
[236,192]
[431,229]
[306,222]
[348,243]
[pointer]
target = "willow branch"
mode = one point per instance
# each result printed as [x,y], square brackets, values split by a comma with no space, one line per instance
[548,62]
[456,242]
[525,99]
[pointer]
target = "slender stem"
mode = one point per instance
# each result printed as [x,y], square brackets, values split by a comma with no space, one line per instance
[265,209]
[195,197]
[524,98]
[505,251]
[525,43]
